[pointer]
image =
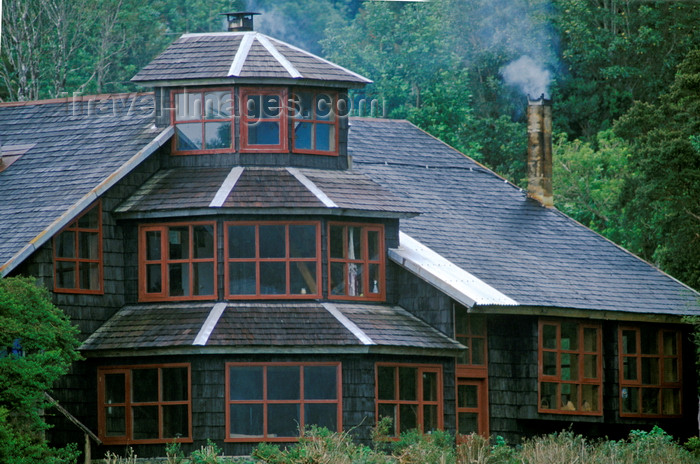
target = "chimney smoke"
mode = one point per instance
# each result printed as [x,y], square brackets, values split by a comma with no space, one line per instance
[539,150]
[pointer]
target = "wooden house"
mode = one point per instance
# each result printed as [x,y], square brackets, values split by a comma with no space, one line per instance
[243,260]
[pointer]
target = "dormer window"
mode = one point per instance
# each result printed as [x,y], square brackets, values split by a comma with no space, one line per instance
[203,121]
[263,120]
[315,122]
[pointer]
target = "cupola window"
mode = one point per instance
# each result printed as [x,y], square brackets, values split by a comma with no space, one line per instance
[315,122]
[263,120]
[203,121]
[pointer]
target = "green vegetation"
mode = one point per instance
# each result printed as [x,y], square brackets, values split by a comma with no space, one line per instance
[37,346]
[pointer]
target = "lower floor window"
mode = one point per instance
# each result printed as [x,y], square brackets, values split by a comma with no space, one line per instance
[472,407]
[272,402]
[411,395]
[149,404]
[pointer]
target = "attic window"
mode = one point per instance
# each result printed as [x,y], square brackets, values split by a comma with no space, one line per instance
[203,121]
[263,120]
[78,254]
[315,122]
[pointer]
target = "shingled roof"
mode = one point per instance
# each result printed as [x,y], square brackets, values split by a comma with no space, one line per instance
[474,219]
[73,150]
[242,57]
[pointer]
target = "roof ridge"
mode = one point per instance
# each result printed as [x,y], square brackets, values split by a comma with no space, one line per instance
[75,98]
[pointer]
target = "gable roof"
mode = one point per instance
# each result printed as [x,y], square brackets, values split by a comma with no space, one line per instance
[242,57]
[74,150]
[488,227]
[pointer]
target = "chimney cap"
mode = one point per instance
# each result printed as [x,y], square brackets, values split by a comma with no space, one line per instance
[239,21]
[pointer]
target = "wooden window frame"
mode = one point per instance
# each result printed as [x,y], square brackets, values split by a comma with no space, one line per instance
[77,230]
[661,357]
[481,409]
[165,260]
[265,401]
[202,120]
[129,404]
[364,261]
[314,121]
[582,380]
[288,260]
[283,146]
[419,402]
[470,369]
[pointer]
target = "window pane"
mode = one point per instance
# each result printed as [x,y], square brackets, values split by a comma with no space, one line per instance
[337,278]
[241,241]
[468,422]
[246,420]
[153,245]
[189,136]
[283,420]
[629,342]
[650,401]
[65,244]
[179,279]
[174,386]
[144,385]
[569,397]
[569,336]
[246,383]
[179,242]
[283,383]
[467,396]
[65,274]
[115,421]
[354,243]
[218,105]
[590,339]
[589,398]
[478,351]
[273,278]
[264,133]
[355,281]
[630,400]
[90,220]
[323,415]
[89,276]
[145,422]
[115,388]
[430,383]
[271,107]
[549,336]
[670,342]
[303,105]
[629,368]
[672,401]
[325,137]
[650,371]
[302,135]
[549,364]
[408,388]
[302,241]
[217,135]
[671,370]
[241,278]
[320,382]
[324,107]
[89,245]
[386,380]
[430,418]
[388,410]
[649,341]
[153,278]
[374,278]
[408,417]
[272,241]
[188,106]
[175,421]
[336,239]
[302,278]
[548,395]
[569,366]
[203,278]
[253,106]
[590,366]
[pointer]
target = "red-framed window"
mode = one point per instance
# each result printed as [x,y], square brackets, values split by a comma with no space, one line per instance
[272,259]
[356,261]
[77,254]
[144,404]
[315,121]
[470,331]
[650,371]
[472,407]
[263,120]
[203,121]
[411,395]
[177,261]
[570,368]
[274,401]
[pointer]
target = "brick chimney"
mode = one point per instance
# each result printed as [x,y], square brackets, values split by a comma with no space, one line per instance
[240,21]
[539,150]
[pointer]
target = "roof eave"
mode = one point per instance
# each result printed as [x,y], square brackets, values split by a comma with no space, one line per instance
[578,313]
[257,81]
[189,212]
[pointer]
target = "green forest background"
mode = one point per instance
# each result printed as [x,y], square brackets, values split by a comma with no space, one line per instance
[624,76]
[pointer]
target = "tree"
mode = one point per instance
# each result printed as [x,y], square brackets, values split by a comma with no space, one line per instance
[661,197]
[39,344]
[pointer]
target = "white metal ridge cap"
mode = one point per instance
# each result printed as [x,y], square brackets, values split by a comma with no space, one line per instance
[241,54]
[445,275]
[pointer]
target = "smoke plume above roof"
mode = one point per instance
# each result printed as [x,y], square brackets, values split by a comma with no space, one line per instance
[531,78]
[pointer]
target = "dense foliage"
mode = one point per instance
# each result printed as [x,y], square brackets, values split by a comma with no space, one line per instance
[37,346]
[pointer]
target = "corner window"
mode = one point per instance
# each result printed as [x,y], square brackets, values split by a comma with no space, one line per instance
[570,365]
[356,261]
[144,404]
[272,402]
[78,254]
[411,395]
[315,122]
[650,371]
[203,121]
[272,260]
[263,120]
[177,262]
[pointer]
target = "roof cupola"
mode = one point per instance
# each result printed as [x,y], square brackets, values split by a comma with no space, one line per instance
[240,21]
